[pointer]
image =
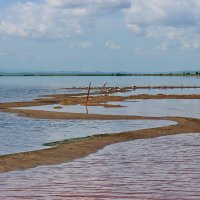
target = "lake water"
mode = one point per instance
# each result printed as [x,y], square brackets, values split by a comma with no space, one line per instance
[158,108]
[22,134]
[165,168]
[26,88]
[19,134]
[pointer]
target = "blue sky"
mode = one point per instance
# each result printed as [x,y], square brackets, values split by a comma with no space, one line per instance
[99,35]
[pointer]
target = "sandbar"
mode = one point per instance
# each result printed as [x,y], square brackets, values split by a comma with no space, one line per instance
[69,150]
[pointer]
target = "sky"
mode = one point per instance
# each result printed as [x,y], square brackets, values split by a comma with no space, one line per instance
[99,35]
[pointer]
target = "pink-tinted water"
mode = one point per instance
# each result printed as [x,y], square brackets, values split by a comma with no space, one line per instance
[165,168]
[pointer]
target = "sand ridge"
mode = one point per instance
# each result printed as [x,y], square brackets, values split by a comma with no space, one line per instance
[66,151]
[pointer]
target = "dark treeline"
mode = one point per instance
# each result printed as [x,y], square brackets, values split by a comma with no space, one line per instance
[197,73]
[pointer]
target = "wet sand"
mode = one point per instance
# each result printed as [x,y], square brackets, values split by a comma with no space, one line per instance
[70,150]
[94,100]
[66,151]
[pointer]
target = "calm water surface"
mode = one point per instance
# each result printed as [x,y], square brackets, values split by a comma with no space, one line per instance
[165,168]
[19,134]
[164,107]
[26,88]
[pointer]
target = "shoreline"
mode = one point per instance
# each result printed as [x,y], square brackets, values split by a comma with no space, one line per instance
[66,151]
[75,149]
[117,74]
[96,99]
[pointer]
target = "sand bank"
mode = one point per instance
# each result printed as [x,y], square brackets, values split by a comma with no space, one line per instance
[66,151]
[94,100]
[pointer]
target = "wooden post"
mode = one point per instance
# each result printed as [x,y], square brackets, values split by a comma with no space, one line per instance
[88,94]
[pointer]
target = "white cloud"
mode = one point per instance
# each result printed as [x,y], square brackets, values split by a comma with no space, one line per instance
[94,4]
[36,20]
[86,44]
[55,18]
[112,45]
[169,20]
[175,23]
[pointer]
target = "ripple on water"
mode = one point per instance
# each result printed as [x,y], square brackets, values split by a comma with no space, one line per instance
[165,168]
[20,134]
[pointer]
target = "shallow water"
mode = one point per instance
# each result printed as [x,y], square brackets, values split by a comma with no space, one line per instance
[20,134]
[166,107]
[160,91]
[165,168]
[27,88]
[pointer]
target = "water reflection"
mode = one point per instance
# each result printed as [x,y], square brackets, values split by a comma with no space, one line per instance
[20,134]
[165,168]
[166,107]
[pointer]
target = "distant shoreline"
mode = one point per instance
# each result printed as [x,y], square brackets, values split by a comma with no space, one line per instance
[197,74]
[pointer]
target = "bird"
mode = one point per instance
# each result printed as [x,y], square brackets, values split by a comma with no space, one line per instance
[104,84]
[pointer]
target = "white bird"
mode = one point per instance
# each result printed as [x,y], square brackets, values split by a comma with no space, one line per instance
[104,84]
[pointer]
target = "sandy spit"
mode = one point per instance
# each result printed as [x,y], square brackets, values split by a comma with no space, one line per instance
[71,150]
[67,151]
